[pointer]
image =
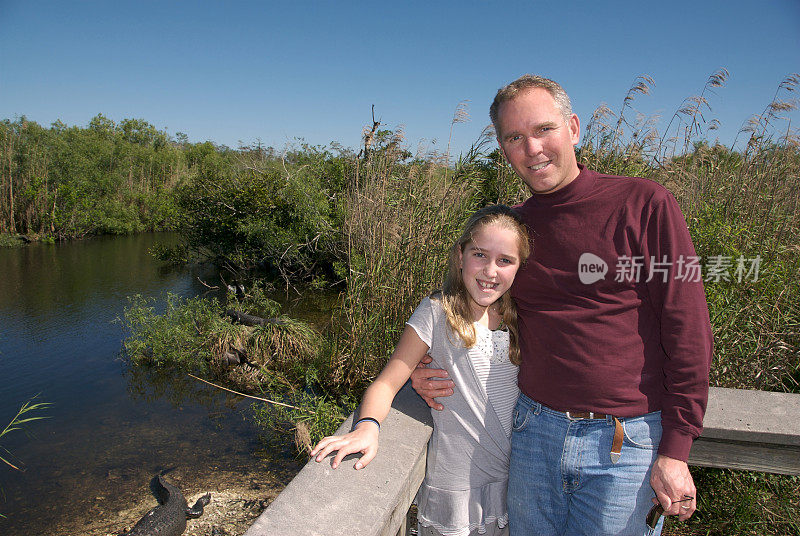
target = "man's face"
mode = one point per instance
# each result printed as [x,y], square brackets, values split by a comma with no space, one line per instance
[537,142]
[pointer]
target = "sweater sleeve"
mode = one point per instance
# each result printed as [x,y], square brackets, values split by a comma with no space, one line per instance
[678,298]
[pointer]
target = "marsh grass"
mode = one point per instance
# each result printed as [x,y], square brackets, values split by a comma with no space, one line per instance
[742,503]
[11,241]
[739,201]
[194,335]
[399,224]
[23,417]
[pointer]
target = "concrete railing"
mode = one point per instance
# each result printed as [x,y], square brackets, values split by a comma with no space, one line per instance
[752,430]
[373,501]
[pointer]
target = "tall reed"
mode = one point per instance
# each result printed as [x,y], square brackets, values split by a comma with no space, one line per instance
[23,416]
[399,223]
[740,201]
[738,204]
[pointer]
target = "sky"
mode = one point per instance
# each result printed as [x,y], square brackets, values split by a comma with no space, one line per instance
[273,72]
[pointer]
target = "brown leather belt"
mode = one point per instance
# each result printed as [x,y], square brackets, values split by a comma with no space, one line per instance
[616,445]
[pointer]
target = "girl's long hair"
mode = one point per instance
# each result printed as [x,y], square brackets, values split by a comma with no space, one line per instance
[454,295]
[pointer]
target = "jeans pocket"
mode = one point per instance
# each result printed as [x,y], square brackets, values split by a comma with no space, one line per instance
[521,414]
[643,432]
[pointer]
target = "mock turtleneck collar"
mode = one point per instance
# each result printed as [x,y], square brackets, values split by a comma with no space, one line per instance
[576,189]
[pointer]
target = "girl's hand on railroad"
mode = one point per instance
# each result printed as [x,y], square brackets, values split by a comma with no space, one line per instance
[363,439]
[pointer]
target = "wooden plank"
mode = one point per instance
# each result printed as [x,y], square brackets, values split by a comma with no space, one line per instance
[728,454]
[750,430]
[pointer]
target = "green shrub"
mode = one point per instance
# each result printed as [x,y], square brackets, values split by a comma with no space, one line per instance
[180,337]
[259,210]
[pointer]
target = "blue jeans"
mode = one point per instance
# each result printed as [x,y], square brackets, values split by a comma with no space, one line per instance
[562,481]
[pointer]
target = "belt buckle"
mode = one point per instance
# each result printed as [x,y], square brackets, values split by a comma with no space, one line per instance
[570,417]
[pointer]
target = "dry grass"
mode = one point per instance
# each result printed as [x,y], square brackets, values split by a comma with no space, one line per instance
[400,222]
[737,203]
[740,200]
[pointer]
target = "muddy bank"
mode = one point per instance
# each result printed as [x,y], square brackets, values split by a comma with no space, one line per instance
[236,501]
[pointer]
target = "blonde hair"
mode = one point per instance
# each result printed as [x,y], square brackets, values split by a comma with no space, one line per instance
[454,295]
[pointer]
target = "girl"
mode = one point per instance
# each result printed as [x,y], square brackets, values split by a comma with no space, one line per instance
[469,329]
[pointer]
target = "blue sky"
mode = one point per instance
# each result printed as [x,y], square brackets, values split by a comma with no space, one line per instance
[275,71]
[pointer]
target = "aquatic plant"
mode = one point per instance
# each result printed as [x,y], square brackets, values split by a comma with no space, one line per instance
[23,416]
[198,335]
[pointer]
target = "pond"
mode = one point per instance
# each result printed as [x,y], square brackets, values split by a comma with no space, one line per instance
[110,428]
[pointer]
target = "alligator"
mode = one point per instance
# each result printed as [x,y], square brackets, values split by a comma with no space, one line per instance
[169,517]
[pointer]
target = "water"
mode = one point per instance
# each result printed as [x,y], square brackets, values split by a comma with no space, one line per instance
[109,428]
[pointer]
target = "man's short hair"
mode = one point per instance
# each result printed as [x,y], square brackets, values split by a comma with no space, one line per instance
[529,81]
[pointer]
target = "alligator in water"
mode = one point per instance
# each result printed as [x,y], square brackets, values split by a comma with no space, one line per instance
[169,517]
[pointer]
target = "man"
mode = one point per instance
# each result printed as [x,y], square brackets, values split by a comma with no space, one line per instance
[614,373]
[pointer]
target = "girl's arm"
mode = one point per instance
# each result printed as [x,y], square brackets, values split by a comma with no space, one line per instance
[377,401]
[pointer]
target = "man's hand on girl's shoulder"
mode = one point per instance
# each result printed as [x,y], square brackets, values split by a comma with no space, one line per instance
[431,383]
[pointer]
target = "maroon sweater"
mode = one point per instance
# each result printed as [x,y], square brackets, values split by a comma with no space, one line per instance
[620,344]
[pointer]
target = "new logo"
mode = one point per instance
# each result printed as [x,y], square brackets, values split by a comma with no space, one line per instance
[591,268]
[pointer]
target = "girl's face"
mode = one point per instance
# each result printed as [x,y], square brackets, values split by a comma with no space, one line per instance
[489,263]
